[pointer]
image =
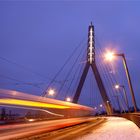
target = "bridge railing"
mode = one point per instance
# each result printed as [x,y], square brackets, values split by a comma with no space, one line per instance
[135,117]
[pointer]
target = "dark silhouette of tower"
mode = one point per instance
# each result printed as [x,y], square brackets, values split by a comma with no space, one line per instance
[91,62]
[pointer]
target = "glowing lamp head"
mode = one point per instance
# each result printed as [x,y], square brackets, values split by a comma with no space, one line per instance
[68,99]
[51,92]
[31,120]
[109,56]
[117,86]
[101,105]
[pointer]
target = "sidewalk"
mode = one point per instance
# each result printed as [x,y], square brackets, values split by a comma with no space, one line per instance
[114,129]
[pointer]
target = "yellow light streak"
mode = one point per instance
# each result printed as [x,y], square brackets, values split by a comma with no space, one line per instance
[31,103]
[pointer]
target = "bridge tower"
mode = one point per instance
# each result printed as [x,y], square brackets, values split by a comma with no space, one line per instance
[91,62]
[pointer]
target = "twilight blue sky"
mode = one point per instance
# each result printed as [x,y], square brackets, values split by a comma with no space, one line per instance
[40,35]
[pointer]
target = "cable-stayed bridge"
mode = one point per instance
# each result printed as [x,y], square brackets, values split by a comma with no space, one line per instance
[104,92]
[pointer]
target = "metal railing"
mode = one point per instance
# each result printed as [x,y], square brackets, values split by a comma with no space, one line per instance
[135,117]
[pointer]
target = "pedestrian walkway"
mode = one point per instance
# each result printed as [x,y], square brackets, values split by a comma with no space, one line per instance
[114,129]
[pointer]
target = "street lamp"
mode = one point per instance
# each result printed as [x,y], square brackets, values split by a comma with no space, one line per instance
[51,92]
[117,86]
[68,99]
[100,109]
[110,56]
[101,105]
[124,92]
[118,102]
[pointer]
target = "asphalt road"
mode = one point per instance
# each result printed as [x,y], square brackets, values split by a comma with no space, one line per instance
[69,133]
[18,131]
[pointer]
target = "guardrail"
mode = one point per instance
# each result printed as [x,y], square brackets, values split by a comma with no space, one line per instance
[135,117]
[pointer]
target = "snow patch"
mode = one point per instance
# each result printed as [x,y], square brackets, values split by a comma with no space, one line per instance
[115,128]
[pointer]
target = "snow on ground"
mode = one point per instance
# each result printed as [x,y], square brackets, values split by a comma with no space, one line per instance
[114,129]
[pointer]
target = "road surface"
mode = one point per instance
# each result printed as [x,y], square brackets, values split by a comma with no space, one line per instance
[8,132]
[113,128]
[107,128]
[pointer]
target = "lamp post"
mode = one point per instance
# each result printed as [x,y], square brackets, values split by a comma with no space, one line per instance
[128,79]
[109,57]
[124,92]
[100,108]
[117,98]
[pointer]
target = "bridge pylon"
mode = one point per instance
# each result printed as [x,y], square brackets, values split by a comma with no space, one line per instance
[91,62]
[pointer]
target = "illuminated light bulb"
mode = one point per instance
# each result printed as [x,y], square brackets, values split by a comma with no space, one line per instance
[68,99]
[109,56]
[101,105]
[117,86]
[51,92]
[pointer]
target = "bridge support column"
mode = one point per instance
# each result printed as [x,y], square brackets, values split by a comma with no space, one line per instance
[102,89]
[91,62]
[80,85]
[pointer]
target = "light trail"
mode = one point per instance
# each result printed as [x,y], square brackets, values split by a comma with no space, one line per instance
[19,102]
[44,110]
[19,131]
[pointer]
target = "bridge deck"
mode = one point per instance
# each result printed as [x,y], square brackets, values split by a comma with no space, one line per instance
[114,128]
